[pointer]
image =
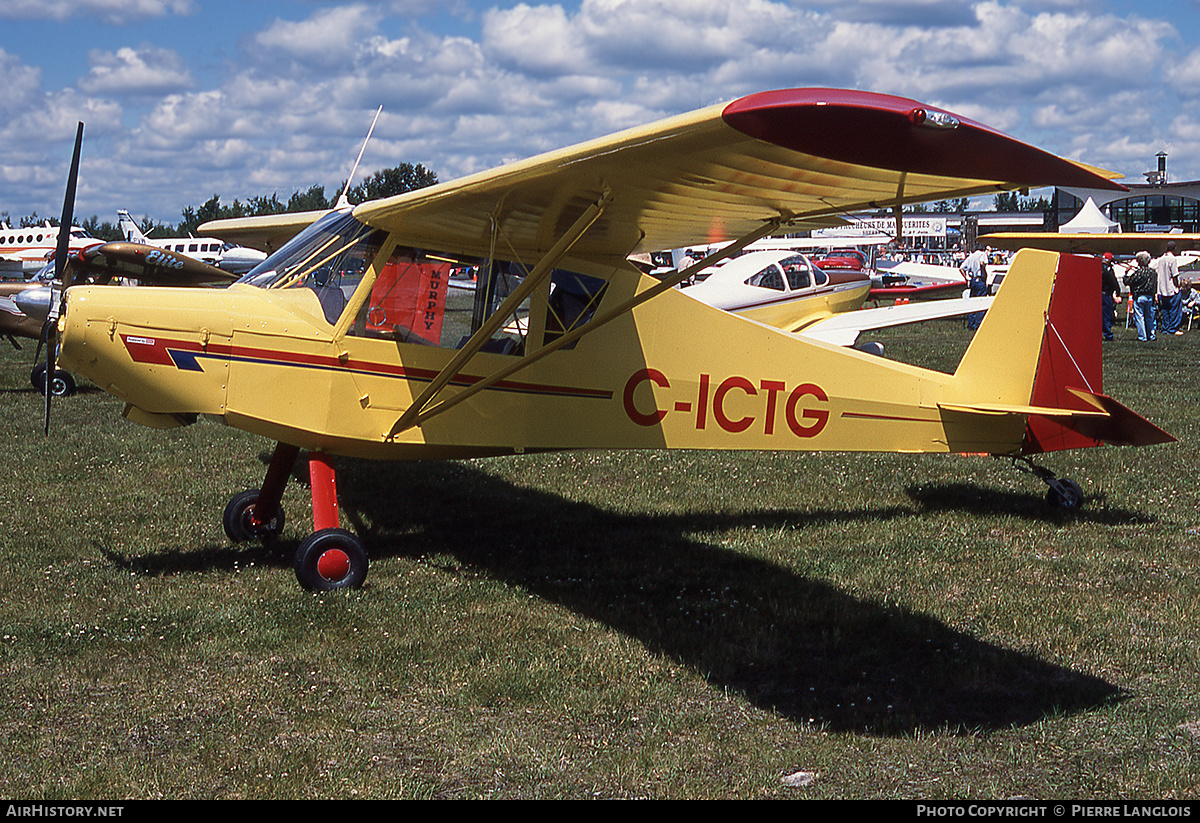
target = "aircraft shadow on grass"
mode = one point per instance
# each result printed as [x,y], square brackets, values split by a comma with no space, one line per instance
[789,644]
[985,500]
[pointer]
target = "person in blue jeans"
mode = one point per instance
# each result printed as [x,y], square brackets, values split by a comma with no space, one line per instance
[1143,286]
[1170,303]
[1110,289]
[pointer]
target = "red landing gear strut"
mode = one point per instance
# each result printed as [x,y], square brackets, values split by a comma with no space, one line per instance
[329,558]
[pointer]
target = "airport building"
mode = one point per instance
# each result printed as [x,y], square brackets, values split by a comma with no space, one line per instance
[1157,205]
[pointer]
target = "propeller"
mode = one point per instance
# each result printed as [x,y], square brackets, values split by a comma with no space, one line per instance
[60,262]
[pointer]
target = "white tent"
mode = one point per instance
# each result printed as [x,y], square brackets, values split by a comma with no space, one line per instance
[1090,220]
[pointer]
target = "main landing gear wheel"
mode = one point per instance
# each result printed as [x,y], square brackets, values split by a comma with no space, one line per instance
[243,523]
[331,559]
[61,383]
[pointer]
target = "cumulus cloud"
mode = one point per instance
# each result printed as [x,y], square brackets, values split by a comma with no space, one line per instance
[110,11]
[22,83]
[143,71]
[1184,76]
[330,36]
[479,85]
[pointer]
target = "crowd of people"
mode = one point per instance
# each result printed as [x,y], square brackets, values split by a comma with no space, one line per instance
[1158,298]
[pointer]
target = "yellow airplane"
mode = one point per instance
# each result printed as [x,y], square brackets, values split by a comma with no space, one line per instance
[345,341]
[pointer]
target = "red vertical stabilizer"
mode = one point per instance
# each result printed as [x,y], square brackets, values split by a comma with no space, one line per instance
[1072,356]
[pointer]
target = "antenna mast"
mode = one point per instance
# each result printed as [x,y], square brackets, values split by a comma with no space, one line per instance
[344,200]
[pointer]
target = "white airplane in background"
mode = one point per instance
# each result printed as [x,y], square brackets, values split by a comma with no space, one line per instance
[23,252]
[788,290]
[858,252]
[237,259]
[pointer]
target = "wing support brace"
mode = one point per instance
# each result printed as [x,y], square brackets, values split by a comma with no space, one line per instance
[417,414]
[489,327]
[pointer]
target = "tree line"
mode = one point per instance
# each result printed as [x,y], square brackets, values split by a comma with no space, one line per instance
[383,183]
[387,183]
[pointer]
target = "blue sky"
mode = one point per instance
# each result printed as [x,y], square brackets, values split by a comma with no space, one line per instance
[183,99]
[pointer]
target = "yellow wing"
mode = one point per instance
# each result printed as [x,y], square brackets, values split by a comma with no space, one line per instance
[718,173]
[266,232]
[1118,243]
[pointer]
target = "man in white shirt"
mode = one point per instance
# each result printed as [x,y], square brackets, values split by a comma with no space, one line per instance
[1169,300]
[975,270]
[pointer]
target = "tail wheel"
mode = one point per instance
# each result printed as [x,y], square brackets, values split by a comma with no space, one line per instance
[242,522]
[1065,494]
[331,559]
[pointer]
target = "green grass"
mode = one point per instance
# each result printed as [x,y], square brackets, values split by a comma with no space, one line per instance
[614,625]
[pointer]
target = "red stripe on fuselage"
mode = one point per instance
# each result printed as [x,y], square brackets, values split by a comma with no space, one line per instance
[157,350]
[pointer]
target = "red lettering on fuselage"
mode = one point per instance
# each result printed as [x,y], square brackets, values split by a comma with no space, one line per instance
[803,419]
[639,377]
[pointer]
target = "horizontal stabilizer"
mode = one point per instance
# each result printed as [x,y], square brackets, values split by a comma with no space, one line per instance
[1041,411]
[1107,421]
[1119,426]
[843,329]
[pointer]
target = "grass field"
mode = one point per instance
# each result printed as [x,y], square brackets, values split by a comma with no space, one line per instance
[608,625]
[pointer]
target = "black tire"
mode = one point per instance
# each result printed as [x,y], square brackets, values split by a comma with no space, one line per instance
[62,384]
[1069,497]
[331,559]
[237,522]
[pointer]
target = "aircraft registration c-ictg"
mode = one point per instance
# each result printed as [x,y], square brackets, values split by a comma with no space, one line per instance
[778,403]
[345,341]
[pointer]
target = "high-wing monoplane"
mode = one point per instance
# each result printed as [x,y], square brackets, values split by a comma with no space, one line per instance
[343,342]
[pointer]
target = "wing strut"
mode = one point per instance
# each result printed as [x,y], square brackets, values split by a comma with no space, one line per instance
[489,327]
[898,209]
[414,416]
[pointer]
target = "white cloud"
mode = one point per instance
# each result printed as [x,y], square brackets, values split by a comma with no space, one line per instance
[1184,75]
[135,71]
[539,40]
[110,11]
[291,108]
[22,83]
[330,36]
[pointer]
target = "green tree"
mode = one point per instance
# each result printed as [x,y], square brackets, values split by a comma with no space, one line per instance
[312,200]
[390,182]
[382,183]
[1013,201]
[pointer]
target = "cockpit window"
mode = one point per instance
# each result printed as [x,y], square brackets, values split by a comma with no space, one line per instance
[328,257]
[334,244]
[798,272]
[768,278]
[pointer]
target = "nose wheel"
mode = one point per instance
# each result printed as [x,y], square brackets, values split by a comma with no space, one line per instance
[330,558]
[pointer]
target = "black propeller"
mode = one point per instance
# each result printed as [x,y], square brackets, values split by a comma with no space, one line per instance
[60,262]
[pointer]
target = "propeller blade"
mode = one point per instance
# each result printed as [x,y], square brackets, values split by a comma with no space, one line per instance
[60,263]
[68,212]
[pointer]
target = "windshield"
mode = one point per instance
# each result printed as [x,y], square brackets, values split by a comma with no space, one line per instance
[331,251]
